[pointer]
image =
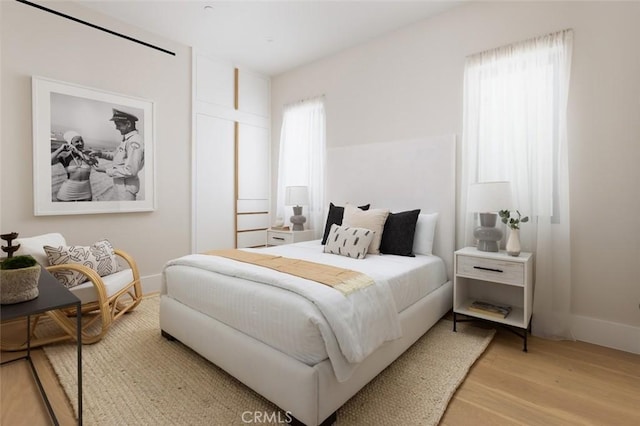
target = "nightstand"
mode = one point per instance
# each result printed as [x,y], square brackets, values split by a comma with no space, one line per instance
[497,278]
[278,238]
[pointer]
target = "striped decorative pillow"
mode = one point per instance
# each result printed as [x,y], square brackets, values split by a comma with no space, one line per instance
[348,241]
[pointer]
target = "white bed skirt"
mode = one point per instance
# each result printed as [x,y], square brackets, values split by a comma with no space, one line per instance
[310,393]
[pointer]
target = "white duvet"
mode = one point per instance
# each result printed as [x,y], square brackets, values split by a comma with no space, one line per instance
[352,326]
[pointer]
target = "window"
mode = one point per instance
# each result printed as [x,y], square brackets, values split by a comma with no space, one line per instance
[302,159]
[515,129]
[515,119]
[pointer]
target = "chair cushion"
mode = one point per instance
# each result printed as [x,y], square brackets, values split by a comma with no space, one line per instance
[100,257]
[113,283]
[35,246]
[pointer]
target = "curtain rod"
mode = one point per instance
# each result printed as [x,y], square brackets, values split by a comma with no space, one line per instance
[300,101]
[520,42]
[46,9]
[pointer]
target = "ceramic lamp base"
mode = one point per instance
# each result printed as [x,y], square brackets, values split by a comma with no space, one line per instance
[297,220]
[487,234]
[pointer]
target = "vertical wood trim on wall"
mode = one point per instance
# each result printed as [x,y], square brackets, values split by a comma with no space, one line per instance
[236,83]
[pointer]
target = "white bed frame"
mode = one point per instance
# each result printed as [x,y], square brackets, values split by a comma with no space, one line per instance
[401,175]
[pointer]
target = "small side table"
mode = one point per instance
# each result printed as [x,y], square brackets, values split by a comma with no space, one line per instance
[52,295]
[498,278]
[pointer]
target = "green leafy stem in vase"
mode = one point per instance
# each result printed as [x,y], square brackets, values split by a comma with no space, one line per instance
[512,222]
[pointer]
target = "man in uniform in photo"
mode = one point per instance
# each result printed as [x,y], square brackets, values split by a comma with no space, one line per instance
[127,159]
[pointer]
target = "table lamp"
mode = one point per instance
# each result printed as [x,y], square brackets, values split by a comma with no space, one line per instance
[486,199]
[297,196]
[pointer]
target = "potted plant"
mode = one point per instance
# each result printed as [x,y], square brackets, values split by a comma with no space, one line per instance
[19,277]
[513,243]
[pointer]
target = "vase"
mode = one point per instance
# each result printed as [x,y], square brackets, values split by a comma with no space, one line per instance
[513,243]
[19,285]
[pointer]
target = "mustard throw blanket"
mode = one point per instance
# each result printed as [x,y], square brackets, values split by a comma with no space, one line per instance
[344,280]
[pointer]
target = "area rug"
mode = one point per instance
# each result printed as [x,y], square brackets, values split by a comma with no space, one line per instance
[135,376]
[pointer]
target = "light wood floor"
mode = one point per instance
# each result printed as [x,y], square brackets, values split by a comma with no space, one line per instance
[555,383]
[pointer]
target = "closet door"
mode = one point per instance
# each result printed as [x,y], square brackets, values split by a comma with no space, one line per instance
[253,180]
[214,218]
[253,162]
[253,93]
[231,157]
[214,82]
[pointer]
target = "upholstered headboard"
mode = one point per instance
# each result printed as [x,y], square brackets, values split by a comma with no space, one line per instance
[400,175]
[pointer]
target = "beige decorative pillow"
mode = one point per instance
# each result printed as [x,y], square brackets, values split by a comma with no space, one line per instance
[100,257]
[372,219]
[349,242]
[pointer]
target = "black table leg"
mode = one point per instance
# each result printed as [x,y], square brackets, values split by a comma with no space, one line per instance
[34,373]
[79,344]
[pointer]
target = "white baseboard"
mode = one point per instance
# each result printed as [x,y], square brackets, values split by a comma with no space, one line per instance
[151,283]
[606,333]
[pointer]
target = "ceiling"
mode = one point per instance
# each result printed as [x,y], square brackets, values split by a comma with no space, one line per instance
[269,37]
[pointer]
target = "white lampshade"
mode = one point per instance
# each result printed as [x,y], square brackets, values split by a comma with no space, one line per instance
[489,197]
[296,196]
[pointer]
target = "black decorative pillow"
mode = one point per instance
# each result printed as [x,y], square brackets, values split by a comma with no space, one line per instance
[100,257]
[335,216]
[399,232]
[348,241]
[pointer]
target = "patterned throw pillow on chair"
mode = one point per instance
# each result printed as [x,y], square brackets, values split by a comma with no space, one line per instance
[100,257]
[348,241]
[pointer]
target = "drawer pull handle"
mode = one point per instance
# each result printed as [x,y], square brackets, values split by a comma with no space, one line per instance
[488,269]
[278,238]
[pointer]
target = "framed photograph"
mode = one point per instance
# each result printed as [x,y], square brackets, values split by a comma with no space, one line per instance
[93,151]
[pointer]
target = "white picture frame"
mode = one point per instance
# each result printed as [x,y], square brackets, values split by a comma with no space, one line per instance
[120,167]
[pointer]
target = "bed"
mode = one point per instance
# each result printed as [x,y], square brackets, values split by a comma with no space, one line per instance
[278,342]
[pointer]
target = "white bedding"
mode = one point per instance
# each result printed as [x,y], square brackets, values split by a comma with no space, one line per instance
[292,324]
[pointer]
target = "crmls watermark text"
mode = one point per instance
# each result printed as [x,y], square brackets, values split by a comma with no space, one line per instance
[266,417]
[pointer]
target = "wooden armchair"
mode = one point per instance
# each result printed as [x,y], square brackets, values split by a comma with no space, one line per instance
[104,299]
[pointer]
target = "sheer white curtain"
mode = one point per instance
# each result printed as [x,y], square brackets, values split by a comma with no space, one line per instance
[302,159]
[514,129]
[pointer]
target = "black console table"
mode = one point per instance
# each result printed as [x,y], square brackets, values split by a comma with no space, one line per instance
[52,295]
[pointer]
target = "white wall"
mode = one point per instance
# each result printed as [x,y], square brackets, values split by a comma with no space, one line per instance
[409,84]
[35,42]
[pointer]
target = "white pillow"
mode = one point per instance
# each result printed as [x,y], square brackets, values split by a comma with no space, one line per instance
[372,219]
[425,233]
[348,241]
[34,246]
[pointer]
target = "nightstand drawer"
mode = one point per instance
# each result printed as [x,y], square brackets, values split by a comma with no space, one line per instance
[491,270]
[278,238]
